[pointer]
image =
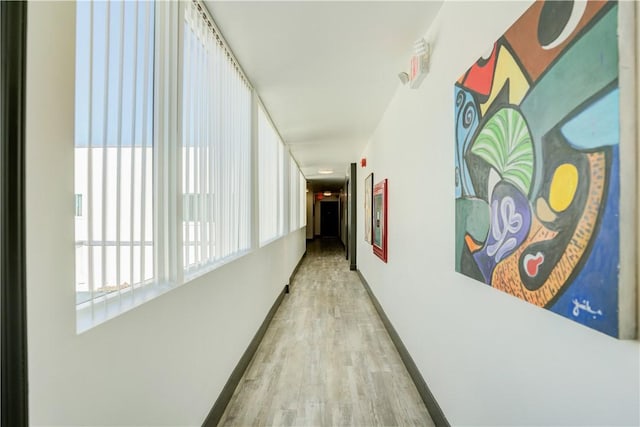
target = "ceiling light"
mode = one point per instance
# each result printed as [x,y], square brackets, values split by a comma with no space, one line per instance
[327,193]
[325,171]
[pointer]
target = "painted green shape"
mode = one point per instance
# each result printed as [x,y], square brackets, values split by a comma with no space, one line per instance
[584,69]
[377,220]
[505,143]
[472,217]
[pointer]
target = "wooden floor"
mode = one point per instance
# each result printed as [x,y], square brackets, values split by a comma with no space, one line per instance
[326,359]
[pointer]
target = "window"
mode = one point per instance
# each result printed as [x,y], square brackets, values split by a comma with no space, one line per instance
[297,197]
[216,148]
[114,148]
[303,199]
[271,179]
[163,155]
[78,198]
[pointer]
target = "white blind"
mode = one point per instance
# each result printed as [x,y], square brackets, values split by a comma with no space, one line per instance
[302,191]
[163,160]
[216,148]
[114,149]
[271,179]
[294,196]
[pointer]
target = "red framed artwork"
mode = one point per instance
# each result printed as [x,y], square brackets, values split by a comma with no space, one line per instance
[368,209]
[380,220]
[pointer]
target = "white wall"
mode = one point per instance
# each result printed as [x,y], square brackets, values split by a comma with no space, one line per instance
[163,363]
[489,358]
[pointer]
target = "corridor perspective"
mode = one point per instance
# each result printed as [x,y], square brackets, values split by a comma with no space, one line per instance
[319,213]
[326,359]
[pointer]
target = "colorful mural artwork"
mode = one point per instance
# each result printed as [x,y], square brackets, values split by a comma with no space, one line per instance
[537,178]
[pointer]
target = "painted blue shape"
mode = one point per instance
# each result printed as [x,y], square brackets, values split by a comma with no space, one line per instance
[597,283]
[596,126]
[582,70]
[510,221]
[466,113]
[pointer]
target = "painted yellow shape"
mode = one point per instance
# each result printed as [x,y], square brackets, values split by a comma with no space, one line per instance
[563,187]
[507,69]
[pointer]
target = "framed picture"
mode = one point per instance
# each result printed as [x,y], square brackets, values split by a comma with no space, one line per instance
[368,211]
[543,163]
[380,220]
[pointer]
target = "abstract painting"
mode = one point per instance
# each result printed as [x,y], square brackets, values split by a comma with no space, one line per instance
[537,163]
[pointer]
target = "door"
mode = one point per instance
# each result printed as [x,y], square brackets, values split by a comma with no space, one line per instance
[329,219]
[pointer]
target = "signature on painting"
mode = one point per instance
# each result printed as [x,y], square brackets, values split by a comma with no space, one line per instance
[584,306]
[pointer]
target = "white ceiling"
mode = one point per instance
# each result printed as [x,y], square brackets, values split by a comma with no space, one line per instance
[325,70]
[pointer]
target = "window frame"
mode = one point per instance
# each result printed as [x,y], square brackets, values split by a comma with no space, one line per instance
[281,184]
[243,102]
[167,186]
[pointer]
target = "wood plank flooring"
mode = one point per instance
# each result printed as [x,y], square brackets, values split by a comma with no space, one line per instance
[326,359]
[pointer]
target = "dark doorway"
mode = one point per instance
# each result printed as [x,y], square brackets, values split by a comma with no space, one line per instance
[14,409]
[329,219]
[352,210]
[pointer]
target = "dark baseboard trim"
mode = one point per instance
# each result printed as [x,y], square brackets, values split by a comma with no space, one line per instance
[224,398]
[215,415]
[427,397]
[289,285]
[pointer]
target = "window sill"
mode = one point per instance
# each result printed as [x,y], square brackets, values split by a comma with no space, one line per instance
[271,240]
[195,272]
[109,306]
[112,305]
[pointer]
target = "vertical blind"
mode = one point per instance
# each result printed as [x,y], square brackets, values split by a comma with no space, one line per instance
[114,148]
[151,131]
[271,179]
[297,196]
[216,147]
[302,192]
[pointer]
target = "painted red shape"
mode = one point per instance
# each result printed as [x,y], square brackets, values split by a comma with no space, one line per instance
[532,263]
[480,76]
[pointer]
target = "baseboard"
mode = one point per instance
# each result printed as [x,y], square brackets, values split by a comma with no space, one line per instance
[289,285]
[215,415]
[427,397]
[224,398]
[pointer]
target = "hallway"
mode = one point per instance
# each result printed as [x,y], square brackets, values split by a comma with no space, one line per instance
[326,359]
